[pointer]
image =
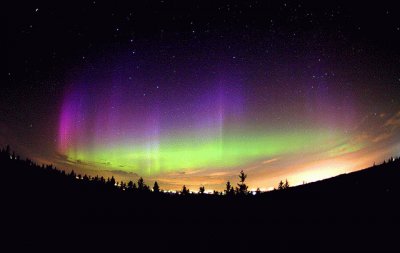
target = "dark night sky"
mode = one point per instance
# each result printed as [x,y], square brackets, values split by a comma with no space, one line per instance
[191,91]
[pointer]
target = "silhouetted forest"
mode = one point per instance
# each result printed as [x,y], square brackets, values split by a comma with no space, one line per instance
[46,208]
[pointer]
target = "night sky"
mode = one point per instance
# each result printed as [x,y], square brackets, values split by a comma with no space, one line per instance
[192,92]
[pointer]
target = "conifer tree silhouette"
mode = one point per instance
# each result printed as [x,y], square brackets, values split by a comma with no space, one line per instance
[232,192]
[201,190]
[156,188]
[242,189]
[112,181]
[286,184]
[122,185]
[184,191]
[228,188]
[130,185]
[280,186]
[141,185]
[72,174]
[8,151]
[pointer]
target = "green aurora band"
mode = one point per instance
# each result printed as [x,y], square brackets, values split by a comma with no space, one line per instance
[183,152]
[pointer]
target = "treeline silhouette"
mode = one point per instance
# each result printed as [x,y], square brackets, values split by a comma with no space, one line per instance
[46,207]
[140,186]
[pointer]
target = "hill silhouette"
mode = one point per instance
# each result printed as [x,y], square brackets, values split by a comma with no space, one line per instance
[46,208]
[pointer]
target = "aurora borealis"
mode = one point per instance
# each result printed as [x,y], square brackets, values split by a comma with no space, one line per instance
[193,95]
[151,134]
[209,122]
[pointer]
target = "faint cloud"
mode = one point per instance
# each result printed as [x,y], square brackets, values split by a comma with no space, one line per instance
[191,172]
[61,157]
[123,173]
[382,137]
[379,129]
[393,122]
[270,161]
[216,174]
[389,128]
[347,148]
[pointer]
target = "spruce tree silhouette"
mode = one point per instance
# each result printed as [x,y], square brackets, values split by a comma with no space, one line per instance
[122,185]
[156,188]
[232,192]
[242,189]
[258,191]
[280,186]
[130,186]
[111,182]
[141,185]
[228,188]
[8,150]
[286,185]
[184,191]
[201,190]
[72,174]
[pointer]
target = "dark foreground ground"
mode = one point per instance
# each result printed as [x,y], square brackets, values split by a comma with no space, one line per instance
[50,211]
